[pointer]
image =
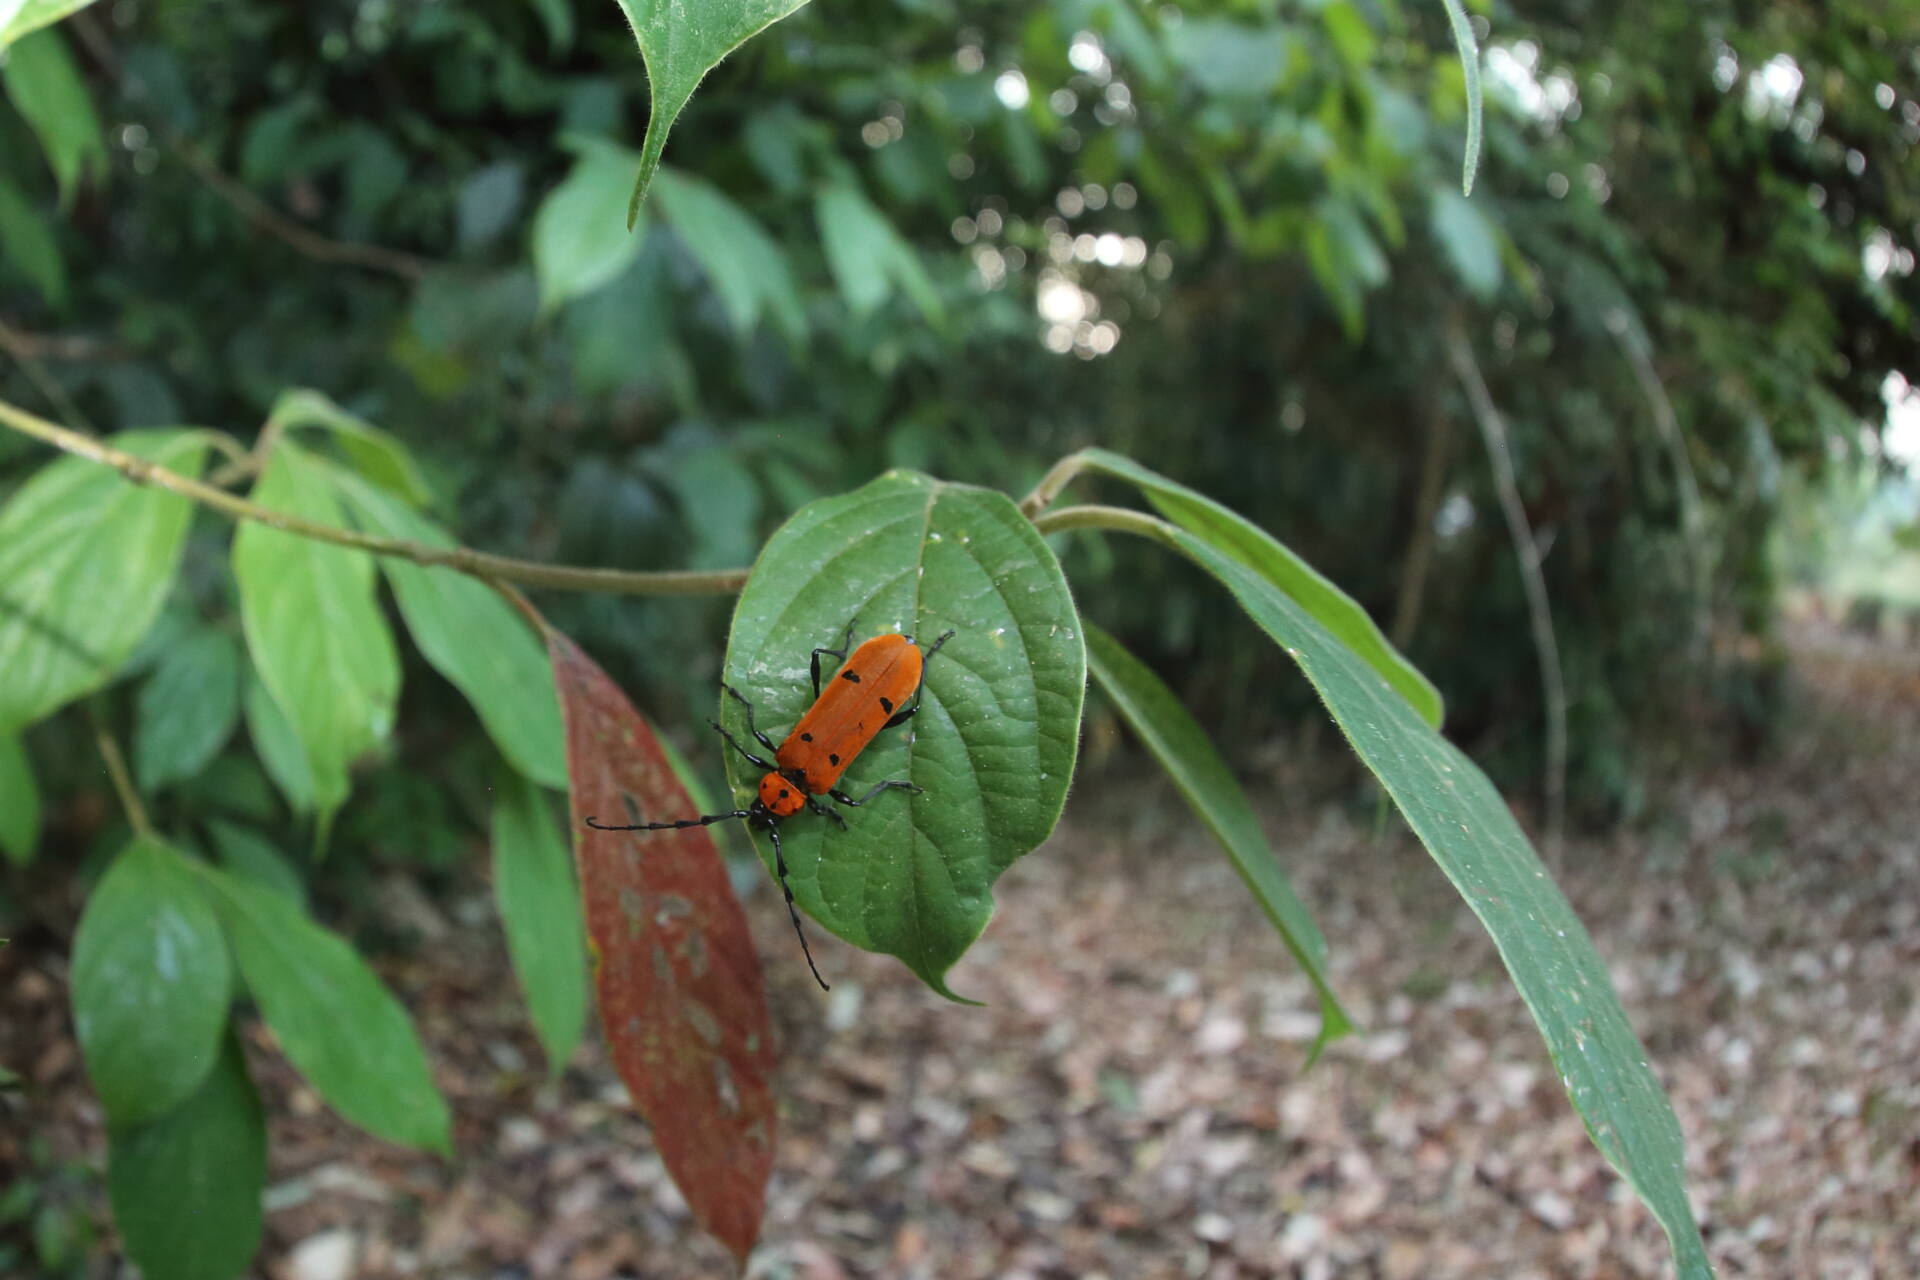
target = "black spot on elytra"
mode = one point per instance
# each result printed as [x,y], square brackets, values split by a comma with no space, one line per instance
[886,705]
[850,675]
[806,737]
[783,793]
[832,758]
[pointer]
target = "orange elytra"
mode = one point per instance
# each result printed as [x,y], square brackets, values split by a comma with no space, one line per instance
[876,688]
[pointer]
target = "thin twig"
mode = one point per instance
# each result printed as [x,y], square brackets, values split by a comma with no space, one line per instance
[1413,573]
[122,780]
[1095,516]
[1693,519]
[479,564]
[1494,433]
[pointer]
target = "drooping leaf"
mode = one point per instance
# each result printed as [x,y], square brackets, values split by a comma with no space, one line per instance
[188,708]
[186,1188]
[27,242]
[540,908]
[868,257]
[333,1019]
[1260,551]
[252,857]
[19,802]
[472,637]
[579,242]
[377,455]
[995,739]
[1473,837]
[151,984]
[313,626]
[86,560]
[746,266]
[1183,749]
[280,750]
[1470,66]
[678,984]
[45,84]
[20,17]
[680,44]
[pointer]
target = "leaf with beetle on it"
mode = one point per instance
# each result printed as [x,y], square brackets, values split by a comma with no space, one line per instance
[994,743]
[678,984]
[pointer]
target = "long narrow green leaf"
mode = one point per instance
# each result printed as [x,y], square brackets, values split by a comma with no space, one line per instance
[540,908]
[1474,839]
[45,83]
[1267,556]
[316,632]
[151,984]
[1470,66]
[376,454]
[186,1188]
[1181,746]
[334,1020]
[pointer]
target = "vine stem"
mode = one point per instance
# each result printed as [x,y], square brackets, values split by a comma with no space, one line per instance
[479,564]
[1057,478]
[499,571]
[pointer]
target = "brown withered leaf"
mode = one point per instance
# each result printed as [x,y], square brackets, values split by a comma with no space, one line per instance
[675,973]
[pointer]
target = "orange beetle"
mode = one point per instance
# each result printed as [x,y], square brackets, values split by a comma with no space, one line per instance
[879,687]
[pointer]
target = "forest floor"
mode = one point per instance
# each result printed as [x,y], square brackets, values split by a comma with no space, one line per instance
[1131,1102]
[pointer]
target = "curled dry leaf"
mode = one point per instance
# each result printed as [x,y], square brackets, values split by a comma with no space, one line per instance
[675,974]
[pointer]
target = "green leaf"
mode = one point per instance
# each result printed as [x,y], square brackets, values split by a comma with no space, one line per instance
[21,17]
[868,257]
[994,741]
[333,1019]
[151,984]
[314,628]
[1470,66]
[540,908]
[1469,239]
[46,85]
[579,244]
[186,1189]
[473,637]
[279,747]
[1231,59]
[19,802]
[1181,746]
[557,17]
[188,708]
[1473,837]
[1260,551]
[746,266]
[250,856]
[28,243]
[86,560]
[680,44]
[378,455]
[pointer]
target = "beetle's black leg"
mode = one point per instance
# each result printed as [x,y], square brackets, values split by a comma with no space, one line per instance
[752,728]
[780,871]
[814,806]
[846,645]
[734,742]
[891,784]
[706,821]
[920,691]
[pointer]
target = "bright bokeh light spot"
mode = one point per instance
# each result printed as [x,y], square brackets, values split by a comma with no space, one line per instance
[1902,433]
[1086,54]
[1011,88]
[1060,301]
